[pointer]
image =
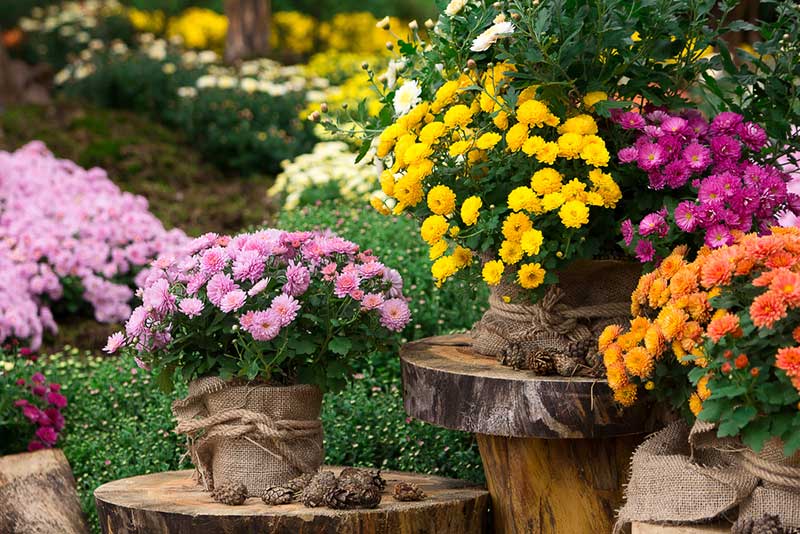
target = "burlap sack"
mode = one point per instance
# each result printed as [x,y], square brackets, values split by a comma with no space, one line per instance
[682,475]
[258,435]
[563,326]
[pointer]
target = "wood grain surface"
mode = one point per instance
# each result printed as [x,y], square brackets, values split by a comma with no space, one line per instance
[173,503]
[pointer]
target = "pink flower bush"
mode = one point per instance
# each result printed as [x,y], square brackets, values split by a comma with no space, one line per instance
[273,304]
[41,404]
[60,222]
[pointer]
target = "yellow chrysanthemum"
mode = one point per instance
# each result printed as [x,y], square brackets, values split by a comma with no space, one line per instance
[533,113]
[408,192]
[612,355]
[516,137]
[420,169]
[532,145]
[470,210]
[574,190]
[515,225]
[510,252]
[595,154]
[444,96]
[437,249]
[695,404]
[493,272]
[529,93]
[606,187]
[462,257]
[547,180]
[501,120]
[458,116]
[574,214]
[570,145]
[403,144]
[626,395]
[531,242]
[443,268]
[488,140]
[431,132]
[593,98]
[548,153]
[702,387]
[523,198]
[553,201]
[531,275]
[433,229]
[416,153]
[580,124]
[387,182]
[441,200]
[379,205]
[459,147]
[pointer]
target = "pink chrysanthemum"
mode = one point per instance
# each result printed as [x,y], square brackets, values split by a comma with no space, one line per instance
[286,307]
[219,285]
[258,287]
[395,314]
[266,325]
[157,297]
[213,260]
[371,269]
[372,301]
[248,266]
[346,283]
[191,307]
[115,341]
[135,325]
[232,300]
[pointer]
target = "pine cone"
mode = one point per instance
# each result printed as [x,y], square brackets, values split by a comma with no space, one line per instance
[767,524]
[276,495]
[515,360]
[298,484]
[540,362]
[403,491]
[316,490]
[365,476]
[231,493]
[351,493]
[578,349]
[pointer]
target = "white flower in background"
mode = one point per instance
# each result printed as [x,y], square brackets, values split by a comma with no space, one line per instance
[96,44]
[407,97]
[187,92]
[249,85]
[207,81]
[85,55]
[226,82]
[146,38]
[66,31]
[383,23]
[118,47]
[83,71]
[29,25]
[491,35]
[62,77]
[189,57]
[395,65]
[250,68]
[454,7]
[207,56]
[168,68]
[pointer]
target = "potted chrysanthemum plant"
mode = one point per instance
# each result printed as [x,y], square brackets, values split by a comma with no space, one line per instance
[261,324]
[496,134]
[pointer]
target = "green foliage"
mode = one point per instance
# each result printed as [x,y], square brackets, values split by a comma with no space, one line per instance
[454,306]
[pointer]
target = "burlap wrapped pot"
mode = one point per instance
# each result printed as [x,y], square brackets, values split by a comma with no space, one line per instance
[683,475]
[558,334]
[258,435]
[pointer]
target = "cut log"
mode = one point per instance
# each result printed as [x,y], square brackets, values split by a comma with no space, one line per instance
[173,503]
[248,29]
[555,450]
[648,528]
[449,385]
[37,495]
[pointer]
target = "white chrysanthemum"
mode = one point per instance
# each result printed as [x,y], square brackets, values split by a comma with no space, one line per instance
[204,82]
[227,82]
[454,7]
[249,85]
[187,92]
[407,97]
[491,35]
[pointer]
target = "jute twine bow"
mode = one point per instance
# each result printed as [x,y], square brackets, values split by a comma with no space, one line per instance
[258,428]
[683,476]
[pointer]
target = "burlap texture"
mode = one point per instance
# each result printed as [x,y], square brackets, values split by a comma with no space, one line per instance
[683,475]
[258,435]
[565,323]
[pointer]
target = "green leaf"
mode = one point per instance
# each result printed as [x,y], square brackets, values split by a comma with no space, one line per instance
[755,434]
[743,415]
[340,345]
[303,346]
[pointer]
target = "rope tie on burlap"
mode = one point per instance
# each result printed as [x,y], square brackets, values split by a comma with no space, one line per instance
[770,470]
[258,427]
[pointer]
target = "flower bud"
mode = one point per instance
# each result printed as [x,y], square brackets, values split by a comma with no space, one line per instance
[516,16]
[389,45]
[754,372]
[365,65]
[429,24]
[471,65]
[314,117]
[497,5]
[323,107]
[726,367]
[741,361]
[413,26]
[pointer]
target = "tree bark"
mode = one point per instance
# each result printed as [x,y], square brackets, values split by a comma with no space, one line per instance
[37,495]
[9,91]
[248,29]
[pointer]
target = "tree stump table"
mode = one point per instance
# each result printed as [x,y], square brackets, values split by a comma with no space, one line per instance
[648,528]
[173,503]
[555,450]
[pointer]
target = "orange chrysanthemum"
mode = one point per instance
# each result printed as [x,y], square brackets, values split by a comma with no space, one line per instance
[683,283]
[654,341]
[609,335]
[671,320]
[788,359]
[780,259]
[721,326]
[616,376]
[702,387]
[639,326]
[639,363]
[612,355]
[715,271]
[626,395]
[695,404]
[787,284]
[796,334]
[670,265]
[658,294]
[767,309]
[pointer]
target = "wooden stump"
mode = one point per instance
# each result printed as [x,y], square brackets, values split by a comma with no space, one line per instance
[173,503]
[555,450]
[37,495]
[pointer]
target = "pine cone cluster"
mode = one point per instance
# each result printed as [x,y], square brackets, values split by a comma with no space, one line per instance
[314,494]
[231,493]
[276,495]
[767,524]
[404,491]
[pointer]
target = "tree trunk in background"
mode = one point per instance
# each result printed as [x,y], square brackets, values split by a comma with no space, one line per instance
[9,91]
[248,29]
[746,10]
